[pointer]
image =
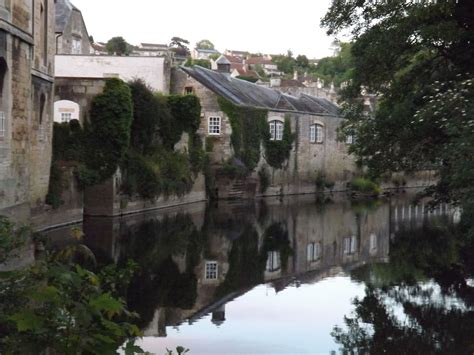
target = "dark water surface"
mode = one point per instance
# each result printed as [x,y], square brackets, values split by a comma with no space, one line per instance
[295,276]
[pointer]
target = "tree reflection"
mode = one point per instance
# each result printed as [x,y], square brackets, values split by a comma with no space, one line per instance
[418,303]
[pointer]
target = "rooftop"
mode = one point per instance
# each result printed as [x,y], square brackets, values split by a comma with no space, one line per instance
[63,9]
[244,93]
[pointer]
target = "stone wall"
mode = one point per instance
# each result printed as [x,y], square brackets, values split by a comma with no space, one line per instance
[27,49]
[155,71]
[79,90]
[74,31]
[106,199]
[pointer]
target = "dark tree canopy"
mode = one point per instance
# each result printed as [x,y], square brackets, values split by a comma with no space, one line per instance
[118,46]
[417,56]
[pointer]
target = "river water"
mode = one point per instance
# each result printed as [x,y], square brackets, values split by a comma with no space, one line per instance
[295,276]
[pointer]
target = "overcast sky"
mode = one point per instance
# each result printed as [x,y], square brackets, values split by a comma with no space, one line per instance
[266,26]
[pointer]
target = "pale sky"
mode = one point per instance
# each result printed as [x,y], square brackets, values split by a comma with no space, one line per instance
[266,26]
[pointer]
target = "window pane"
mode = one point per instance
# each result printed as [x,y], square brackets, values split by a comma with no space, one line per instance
[312,133]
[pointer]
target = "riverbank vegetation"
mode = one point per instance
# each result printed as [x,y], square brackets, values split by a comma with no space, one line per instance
[417,57]
[63,302]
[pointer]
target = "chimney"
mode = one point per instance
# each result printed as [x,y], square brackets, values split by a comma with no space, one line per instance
[275,82]
[223,65]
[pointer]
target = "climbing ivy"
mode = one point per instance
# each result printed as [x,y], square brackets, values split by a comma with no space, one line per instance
[249,129]
[277,152]
[108,132]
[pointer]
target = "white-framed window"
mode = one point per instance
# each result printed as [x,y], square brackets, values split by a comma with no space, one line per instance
[350,245]
[313,251]
[66,116]
[273,261]
[214,125]
[373,242]
[276,130]
[349,139]
[316,133]
[76,46]
[211,270]
[3,124]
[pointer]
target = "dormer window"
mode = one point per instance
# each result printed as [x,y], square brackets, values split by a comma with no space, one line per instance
[316,133]
[276,130]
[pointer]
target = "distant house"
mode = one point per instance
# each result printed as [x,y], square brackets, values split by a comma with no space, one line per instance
[313,120]
[199,53]
[270,68]
[237,66]
[99,48]
[239,54]
[71,31]
[152,50]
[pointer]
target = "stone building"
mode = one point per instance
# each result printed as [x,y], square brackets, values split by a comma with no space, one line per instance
[27,46]
[316,152]
[71,31]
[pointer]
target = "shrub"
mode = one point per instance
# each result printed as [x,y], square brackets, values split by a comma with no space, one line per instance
[365,186]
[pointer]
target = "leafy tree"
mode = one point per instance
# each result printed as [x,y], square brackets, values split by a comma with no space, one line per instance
[302,61]
[146,114]
[108,132]
[118,46]
[417,56]
[201,62]
[180,46]
[204,44]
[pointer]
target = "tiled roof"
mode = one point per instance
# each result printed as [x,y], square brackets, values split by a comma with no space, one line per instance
[258,60]
[63,10]
[244,93]
[153,45]
[291,83]
[202,50]
[234,59]
[222,60]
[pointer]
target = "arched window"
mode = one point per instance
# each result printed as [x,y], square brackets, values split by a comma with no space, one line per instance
[65,111]
[276,130]
[316,133]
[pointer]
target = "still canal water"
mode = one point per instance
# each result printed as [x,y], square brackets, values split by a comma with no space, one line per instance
[296,276]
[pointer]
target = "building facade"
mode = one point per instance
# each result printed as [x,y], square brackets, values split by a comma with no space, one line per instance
[71,31]
[316,152]
[27,47]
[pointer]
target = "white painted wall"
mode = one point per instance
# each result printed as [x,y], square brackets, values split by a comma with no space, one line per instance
[150,69]
[65,106]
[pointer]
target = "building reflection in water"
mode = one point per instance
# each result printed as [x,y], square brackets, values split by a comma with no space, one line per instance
[196,259]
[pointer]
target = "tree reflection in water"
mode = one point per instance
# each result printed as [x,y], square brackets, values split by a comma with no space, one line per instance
[418,303]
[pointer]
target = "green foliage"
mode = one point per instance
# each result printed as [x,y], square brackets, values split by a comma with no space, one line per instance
[147,111]
[108,134]
[163,172]
[151,167]
[233,169]
[277,152]
[11,238]
[118,46]
[68,145]
[53,306]
[56,186]
[205,44]
[249,129]
[264,179]
[336,69]
[365,186]
[201,62]
[440,256]
[252,79]
[418,57]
